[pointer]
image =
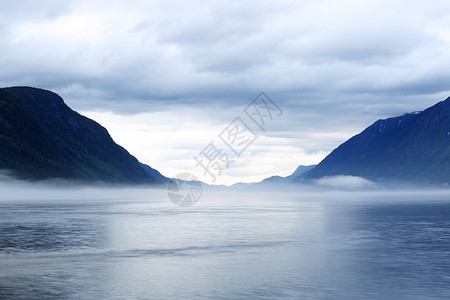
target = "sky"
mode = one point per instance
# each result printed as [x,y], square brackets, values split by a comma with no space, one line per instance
[167,78]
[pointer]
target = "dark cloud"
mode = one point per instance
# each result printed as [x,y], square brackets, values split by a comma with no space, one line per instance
[225,50]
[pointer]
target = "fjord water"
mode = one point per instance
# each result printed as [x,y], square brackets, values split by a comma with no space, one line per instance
[137,245]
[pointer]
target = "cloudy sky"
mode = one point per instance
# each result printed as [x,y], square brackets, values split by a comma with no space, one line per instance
[167,77]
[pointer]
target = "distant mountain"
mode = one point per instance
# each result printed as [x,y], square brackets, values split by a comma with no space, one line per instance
[42,138]
[414,147]
[276,180]
[288,179]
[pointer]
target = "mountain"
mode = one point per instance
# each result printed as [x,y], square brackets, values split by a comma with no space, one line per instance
[414,147]
[288,179]
[42,138]
[155,174]
[275,180]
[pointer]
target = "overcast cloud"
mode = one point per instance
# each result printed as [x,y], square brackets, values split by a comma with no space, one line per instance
[175,73]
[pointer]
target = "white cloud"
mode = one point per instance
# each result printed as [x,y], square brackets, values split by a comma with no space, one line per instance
[169,141]
[334,67]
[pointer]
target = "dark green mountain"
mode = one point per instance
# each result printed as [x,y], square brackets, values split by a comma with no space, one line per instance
[42,138]
[156,174]
[414,147]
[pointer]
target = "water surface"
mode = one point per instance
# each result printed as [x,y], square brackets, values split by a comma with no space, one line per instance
[335,245]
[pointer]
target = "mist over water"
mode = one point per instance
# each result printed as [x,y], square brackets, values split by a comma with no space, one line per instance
[133,243]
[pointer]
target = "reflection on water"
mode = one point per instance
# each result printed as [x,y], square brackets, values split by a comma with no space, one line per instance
[41,229]
[272,247]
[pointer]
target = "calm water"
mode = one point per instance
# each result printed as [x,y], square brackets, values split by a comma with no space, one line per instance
[241,246]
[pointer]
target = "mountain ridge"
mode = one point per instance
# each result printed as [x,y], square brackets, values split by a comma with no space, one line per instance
[301,169]
[42,138]
[414,147]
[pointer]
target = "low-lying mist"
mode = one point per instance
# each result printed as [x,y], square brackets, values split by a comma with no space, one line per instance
[341,188]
